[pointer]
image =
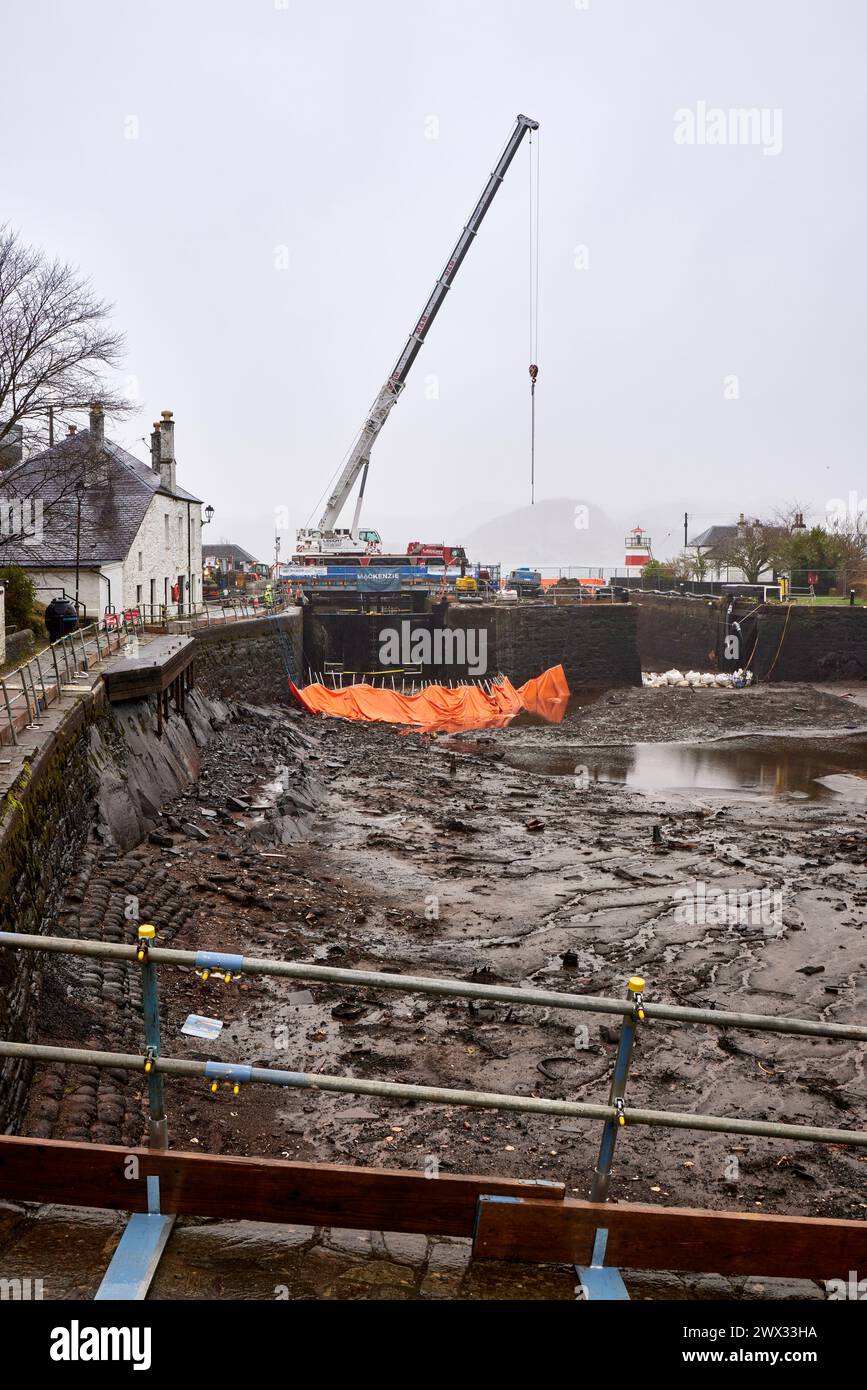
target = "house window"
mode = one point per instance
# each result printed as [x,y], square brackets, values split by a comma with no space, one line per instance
[138,595]
[167,530]
[139,560]
[180,530]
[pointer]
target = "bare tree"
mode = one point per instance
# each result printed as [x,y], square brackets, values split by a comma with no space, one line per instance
[58,350]
[755,547]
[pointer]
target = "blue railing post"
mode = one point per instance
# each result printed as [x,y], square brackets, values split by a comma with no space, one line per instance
[602,1171]
[158,1135]
[597,1280]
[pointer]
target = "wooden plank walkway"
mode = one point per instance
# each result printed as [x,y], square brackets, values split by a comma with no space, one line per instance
[155,665]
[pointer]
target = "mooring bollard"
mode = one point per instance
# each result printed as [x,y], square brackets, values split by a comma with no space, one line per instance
[602,1171]
[158,1129]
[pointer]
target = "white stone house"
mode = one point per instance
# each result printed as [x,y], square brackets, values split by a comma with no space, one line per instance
[103,526]
[711,547]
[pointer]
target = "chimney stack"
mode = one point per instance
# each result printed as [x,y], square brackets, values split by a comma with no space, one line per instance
[167,451]
[155,446]
[97,427]
[70,429]
[96,463]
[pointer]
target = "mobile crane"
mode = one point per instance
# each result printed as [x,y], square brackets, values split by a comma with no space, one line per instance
[352,544]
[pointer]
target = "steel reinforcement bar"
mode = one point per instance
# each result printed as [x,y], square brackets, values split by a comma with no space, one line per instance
[458,989]
[238,1074]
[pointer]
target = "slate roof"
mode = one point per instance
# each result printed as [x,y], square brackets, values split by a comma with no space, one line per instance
[714,535]
[236,553]
[111,513]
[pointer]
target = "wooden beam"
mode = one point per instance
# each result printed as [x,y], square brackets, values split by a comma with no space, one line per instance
[676,1238]
[251,1189]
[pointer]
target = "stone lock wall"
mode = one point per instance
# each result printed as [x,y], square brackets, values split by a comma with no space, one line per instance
[781,643]
[815,644]
[685,633]
[596,643]
[44,823]
[247,660]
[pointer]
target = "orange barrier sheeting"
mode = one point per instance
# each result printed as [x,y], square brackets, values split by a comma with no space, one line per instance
[440,709]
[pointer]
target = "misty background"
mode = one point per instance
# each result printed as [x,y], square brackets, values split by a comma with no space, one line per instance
[256,188]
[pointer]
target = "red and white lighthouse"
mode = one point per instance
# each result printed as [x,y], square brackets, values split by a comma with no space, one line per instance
[637,547]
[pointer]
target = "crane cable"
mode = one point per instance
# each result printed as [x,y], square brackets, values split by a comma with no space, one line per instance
[534,309]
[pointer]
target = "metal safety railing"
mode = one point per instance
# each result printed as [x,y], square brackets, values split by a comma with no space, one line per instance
[634,1011]
[28,690]
[188,618]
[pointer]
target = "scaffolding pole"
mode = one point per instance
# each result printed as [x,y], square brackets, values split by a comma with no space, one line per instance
[420,984]
[236,1074]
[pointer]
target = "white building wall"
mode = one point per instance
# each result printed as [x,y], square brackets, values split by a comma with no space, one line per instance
[93,588]
[160,554]
[2,625]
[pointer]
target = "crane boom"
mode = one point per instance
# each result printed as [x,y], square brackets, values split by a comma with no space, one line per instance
[359,457]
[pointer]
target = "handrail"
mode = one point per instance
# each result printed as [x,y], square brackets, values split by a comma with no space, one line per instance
[72,650]
[422,984]
[633,1009]
[237,1074]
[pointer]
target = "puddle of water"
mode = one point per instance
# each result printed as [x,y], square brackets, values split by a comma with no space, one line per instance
[776,768]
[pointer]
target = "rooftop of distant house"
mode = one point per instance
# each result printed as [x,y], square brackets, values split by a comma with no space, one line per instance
[229,552]
[714,535]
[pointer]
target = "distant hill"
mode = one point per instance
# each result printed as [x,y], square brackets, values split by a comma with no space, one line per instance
[547,534]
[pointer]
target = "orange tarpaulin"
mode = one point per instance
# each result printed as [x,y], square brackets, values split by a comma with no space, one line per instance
[441,709]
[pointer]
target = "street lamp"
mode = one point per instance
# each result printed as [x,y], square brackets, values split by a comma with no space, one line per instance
[209,515]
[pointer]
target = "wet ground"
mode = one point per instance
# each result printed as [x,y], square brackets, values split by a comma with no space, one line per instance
[68,1249]
[512,856]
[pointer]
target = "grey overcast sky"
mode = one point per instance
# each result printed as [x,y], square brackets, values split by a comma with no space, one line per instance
[704,350]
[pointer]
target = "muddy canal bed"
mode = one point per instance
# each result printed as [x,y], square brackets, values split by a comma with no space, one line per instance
[365,847]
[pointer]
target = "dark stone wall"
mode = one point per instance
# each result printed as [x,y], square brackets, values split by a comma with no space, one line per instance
[686,633]
[19,646]
[101,761]
[818,644]
[247,660]
[44,822]
[595,643]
